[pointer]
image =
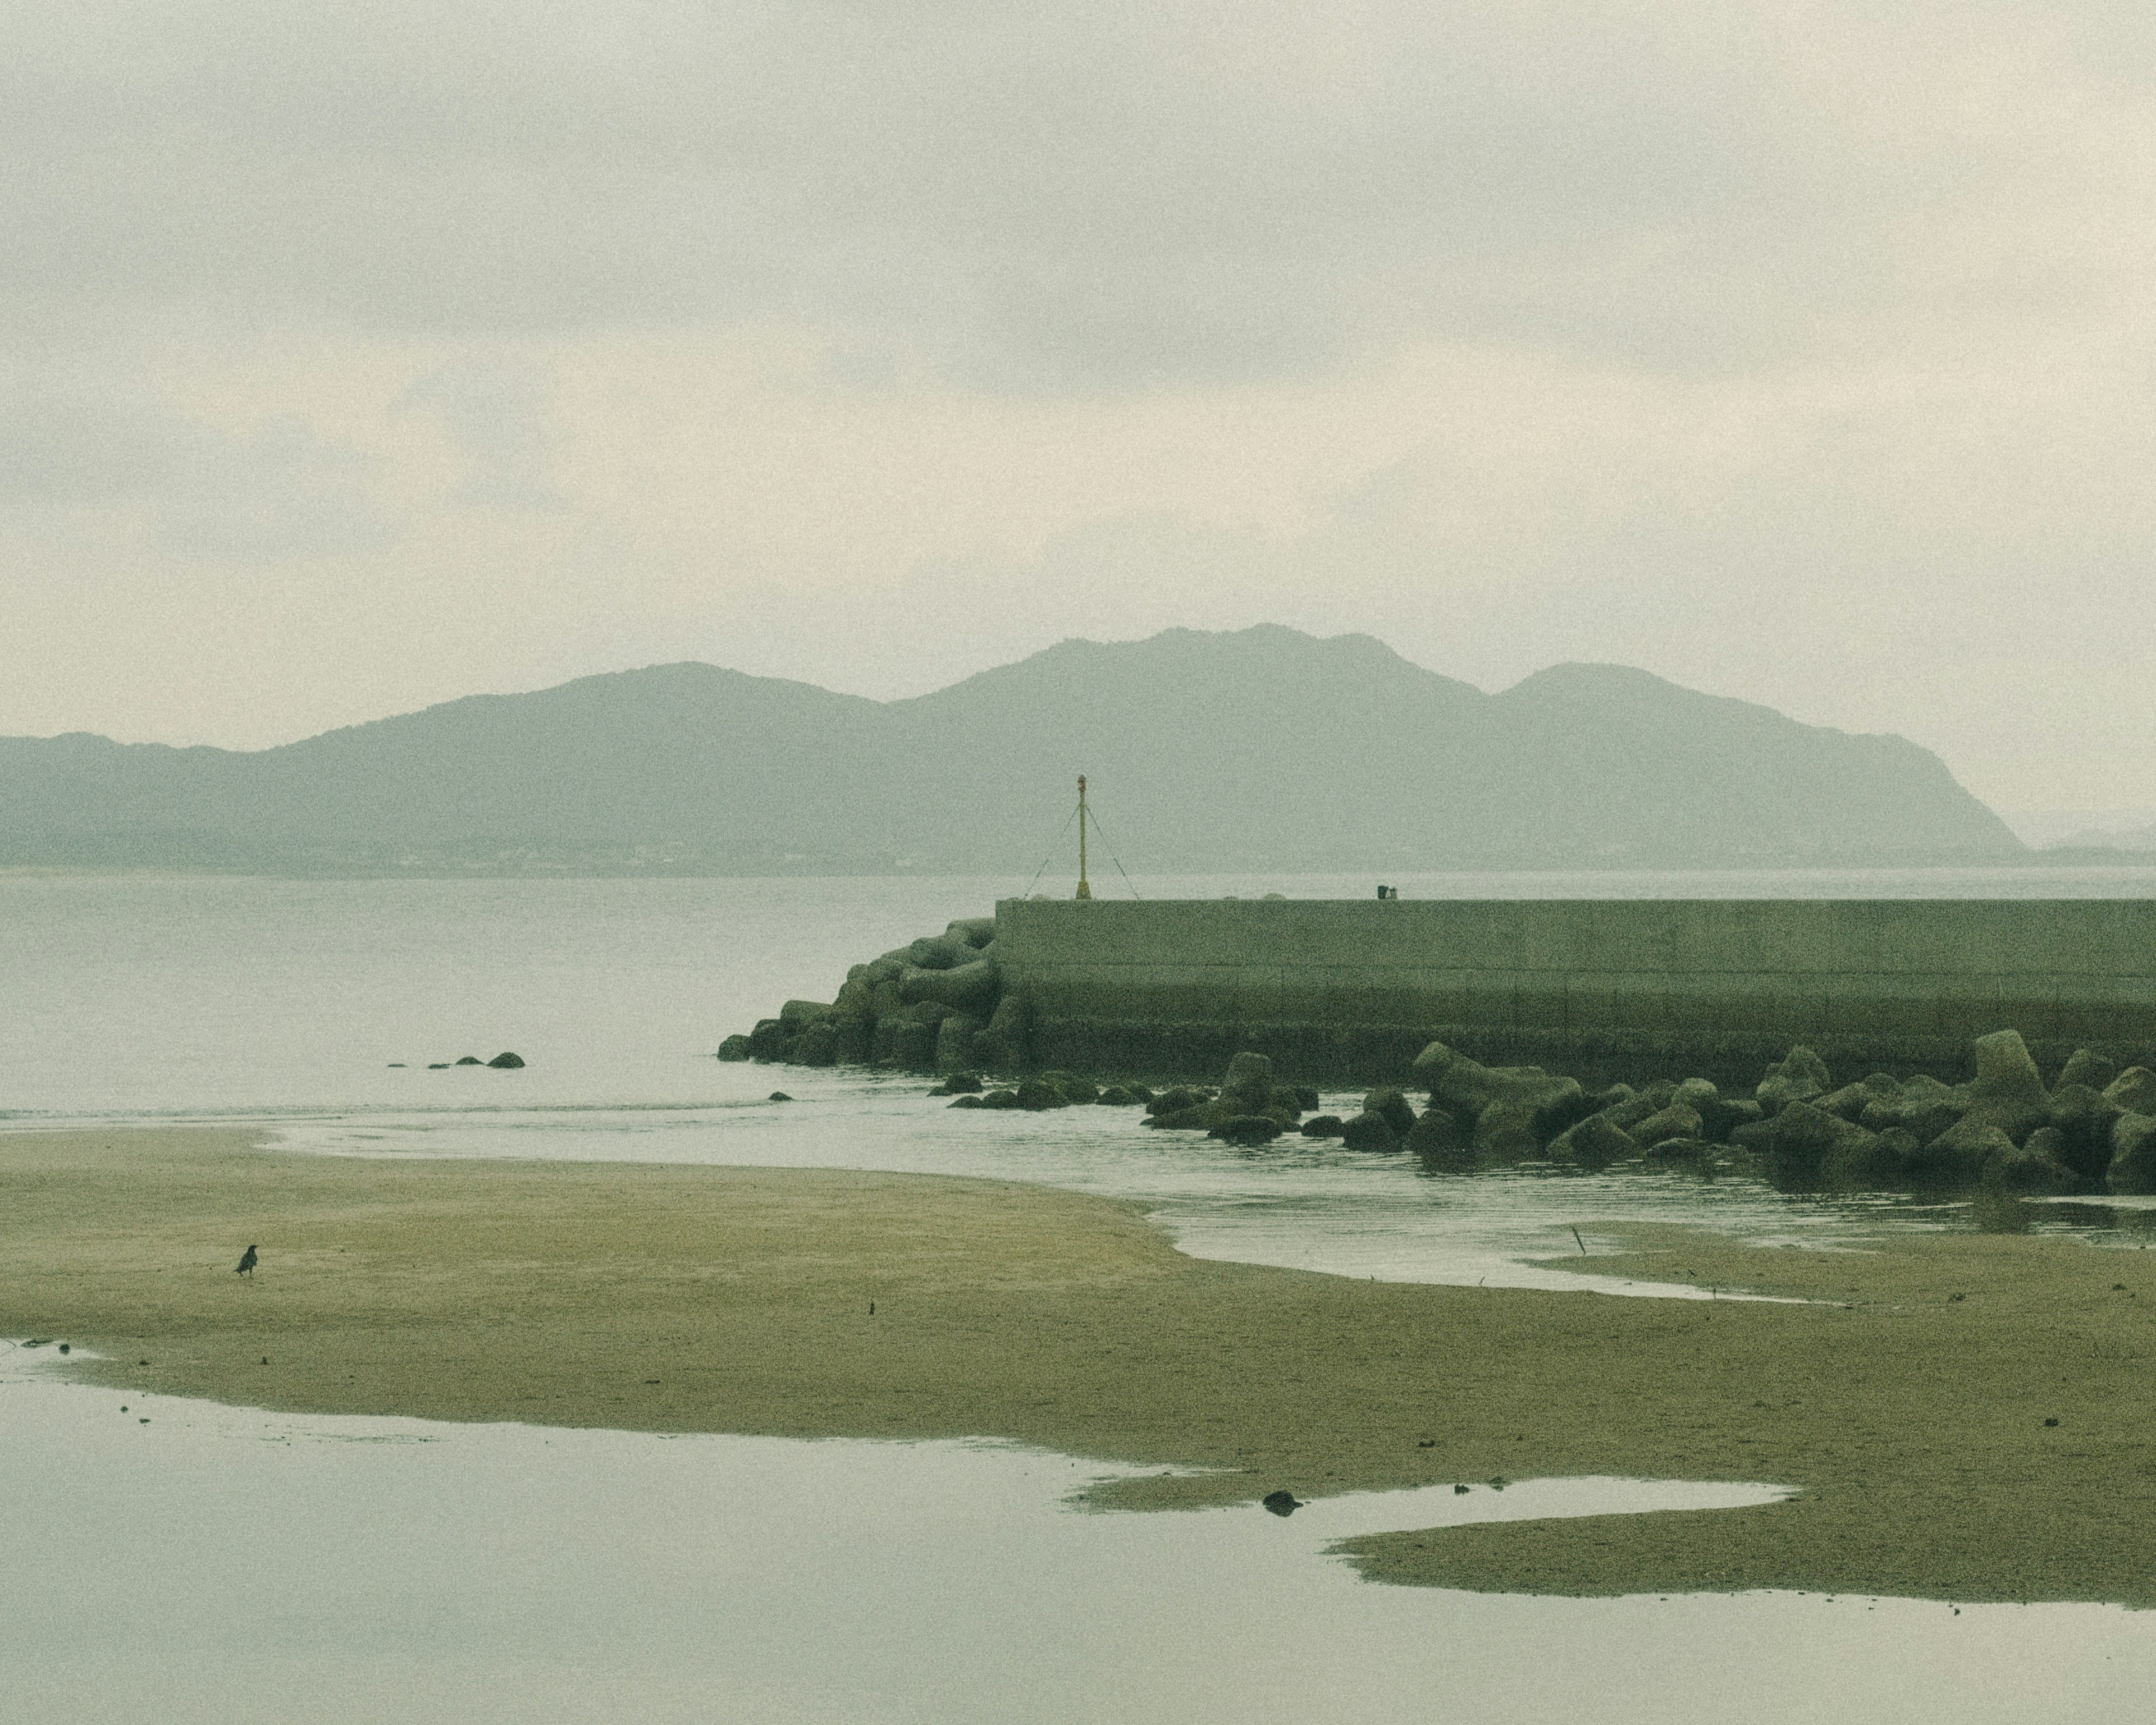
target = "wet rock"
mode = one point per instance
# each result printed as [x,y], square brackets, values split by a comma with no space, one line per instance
[1438,1136]
[1117,1095]
[2132,1169]
[1675,1120]
[2133,1090]
[1922,1106]
[768,1040]
[2083,1119]
[955,1039]
[1594,1143]
[816,1046]
[912,1045]
[1248,1084]
[1393,1105]
[2006,1095]
[1323,1125]
[1002,1098]
[1368,1132]
[967,1100]
[967,988]
[734,1048]
[2083,1067]
[797,1015]
[1798,1076]
[851,1039]
[1203,1118]
[1851,1100]
[939,952]
[1696,1093]
[1004,1043]
[1957,1157]
[469,1060]
[1502,1100]
[1689,1154]
[1075,1091]
[1281,1503]
[778,1096]
[1175,1100]
[1723,1115]
[960,1084]
[1794,1145]
[1035,1096]
[1870,1161]
[2008,1091]
[2036,1168]
[1247,1129]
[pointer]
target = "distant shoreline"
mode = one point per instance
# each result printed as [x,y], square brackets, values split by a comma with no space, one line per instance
[1912,1399]
[2071,861]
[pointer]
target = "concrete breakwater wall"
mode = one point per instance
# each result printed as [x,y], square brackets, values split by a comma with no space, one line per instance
[1606,989]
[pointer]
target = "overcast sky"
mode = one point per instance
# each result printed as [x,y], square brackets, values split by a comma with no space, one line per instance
[362,355]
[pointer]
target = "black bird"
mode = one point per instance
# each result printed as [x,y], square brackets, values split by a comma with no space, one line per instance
[246,1265]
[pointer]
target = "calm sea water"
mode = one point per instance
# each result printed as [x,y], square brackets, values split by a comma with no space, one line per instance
[229,1564]
[290,1003]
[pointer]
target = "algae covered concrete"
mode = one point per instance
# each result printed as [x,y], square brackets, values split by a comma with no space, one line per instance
[1909,1396]
[1350,986]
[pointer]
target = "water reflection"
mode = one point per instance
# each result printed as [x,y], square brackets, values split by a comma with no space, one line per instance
[235,1566]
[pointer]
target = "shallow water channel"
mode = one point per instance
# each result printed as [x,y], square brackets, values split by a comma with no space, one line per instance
[183,1561]
[239,1566]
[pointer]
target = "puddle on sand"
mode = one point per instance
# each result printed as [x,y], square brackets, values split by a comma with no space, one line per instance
[228,1564]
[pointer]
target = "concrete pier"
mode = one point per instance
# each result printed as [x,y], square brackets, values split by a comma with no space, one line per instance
[1604,988]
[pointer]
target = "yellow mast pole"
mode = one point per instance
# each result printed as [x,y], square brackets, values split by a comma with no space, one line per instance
[1084,891]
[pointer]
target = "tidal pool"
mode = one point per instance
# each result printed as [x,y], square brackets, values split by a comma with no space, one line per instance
[180,1561]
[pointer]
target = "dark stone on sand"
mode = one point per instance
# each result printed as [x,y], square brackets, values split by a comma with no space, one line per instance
[778,1096]
[1281,1503]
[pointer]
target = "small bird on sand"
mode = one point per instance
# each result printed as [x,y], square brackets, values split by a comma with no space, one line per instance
[246,1265]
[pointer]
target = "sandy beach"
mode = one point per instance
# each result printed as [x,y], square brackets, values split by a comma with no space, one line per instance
[1911,1397]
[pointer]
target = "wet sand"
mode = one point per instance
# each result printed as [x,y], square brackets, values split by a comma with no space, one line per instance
[715,1299]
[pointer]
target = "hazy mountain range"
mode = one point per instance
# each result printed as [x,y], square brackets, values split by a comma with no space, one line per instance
[1266,749]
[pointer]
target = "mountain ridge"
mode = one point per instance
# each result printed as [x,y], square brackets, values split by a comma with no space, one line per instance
[1259,749]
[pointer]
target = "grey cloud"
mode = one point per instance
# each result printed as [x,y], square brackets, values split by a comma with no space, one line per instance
[278,490]
[1027,196]
[497,414]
